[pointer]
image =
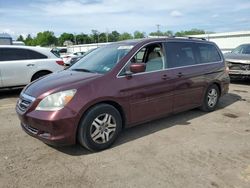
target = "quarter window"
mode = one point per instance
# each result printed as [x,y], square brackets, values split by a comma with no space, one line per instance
[207,53]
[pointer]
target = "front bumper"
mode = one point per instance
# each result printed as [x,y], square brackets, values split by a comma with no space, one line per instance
[53,128]
[239,72]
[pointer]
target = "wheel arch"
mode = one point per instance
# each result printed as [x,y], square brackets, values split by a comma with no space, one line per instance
[38,72]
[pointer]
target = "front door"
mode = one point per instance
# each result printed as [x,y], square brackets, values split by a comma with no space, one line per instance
[150,93]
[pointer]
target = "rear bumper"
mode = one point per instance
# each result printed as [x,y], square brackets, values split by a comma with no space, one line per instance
[225,85]
[53,128]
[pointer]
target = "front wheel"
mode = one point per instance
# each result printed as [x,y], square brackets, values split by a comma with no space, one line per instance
[99,127]
[211,99]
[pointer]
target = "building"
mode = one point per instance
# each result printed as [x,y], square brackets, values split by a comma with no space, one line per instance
[5,39]
[229,40]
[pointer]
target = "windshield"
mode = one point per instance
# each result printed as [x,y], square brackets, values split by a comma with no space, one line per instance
[103,59]
[242,49]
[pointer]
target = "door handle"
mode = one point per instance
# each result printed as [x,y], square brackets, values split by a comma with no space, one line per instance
[30,65]
[180,74]
[164,77]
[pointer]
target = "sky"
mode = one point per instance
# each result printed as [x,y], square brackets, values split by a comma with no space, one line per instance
[81,16]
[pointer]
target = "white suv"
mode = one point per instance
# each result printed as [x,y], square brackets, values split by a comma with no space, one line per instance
[19,65]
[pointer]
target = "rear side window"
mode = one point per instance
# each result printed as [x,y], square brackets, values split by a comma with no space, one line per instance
[35,55]
[11,54]
[207,53]
[180,54]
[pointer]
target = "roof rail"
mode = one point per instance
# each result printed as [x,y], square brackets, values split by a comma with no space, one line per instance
[195,38]
[199,38]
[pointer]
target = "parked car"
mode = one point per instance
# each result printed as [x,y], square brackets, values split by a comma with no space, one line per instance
[73,60]
[238,62]
[20,65]
[121,85]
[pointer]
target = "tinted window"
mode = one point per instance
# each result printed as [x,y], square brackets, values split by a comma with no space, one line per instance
[35,55]
[11,54]
[180,54]
[8,54]
[207,53]
[242,49]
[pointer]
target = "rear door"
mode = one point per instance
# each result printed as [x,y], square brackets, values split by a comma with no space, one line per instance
[188,77]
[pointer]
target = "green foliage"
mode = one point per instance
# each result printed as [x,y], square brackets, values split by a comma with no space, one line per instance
[47,38]
[29,41]
[20,38]
[125,36]
[114,36]
[139,35]
[65,37]
[190,32]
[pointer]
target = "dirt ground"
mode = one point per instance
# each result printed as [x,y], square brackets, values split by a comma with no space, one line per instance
[192,150]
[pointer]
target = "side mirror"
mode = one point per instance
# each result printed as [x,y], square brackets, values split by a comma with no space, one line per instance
[137,67]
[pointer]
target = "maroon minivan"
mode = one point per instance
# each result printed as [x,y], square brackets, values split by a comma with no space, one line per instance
[121,85]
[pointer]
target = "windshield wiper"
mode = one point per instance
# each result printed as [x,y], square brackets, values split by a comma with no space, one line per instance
[83,70]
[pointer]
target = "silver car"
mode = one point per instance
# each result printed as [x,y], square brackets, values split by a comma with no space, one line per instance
[238,62]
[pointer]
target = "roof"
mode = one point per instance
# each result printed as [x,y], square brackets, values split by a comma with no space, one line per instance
[43,50]
[148,40]
[5,35]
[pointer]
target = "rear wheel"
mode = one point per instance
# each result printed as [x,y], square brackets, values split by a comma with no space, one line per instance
[99,127]
[211,98]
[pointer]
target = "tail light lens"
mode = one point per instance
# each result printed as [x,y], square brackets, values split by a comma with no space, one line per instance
[60,62]
[227,70]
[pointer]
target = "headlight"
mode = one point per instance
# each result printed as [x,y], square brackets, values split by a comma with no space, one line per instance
[56,101]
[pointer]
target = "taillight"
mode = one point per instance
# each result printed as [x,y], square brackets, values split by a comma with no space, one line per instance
[60,62]
[227,70]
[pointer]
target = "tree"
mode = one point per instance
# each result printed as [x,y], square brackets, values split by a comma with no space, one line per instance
[189,32]
[125,36]
[102,37]
[114,36]
[83,39]
[139,35]
[29,41]
[64,37]
[167,33]
[46,38]
[20,38]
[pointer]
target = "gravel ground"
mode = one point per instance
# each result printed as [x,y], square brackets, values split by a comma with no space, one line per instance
[192,149]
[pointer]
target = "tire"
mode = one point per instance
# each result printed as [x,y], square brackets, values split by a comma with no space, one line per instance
[211,99]
[99,127]
[39,75]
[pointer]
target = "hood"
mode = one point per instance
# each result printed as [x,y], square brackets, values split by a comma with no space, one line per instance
[59,81]
[237,58]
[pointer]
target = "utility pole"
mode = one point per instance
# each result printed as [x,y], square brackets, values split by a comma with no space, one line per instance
[158,29]
[107,35]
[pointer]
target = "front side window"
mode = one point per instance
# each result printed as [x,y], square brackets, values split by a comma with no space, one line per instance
[152,55]
[207,53]
[180,54]
[11,54]
[103,59]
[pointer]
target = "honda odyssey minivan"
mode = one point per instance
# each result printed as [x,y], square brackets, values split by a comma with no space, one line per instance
[121,85]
